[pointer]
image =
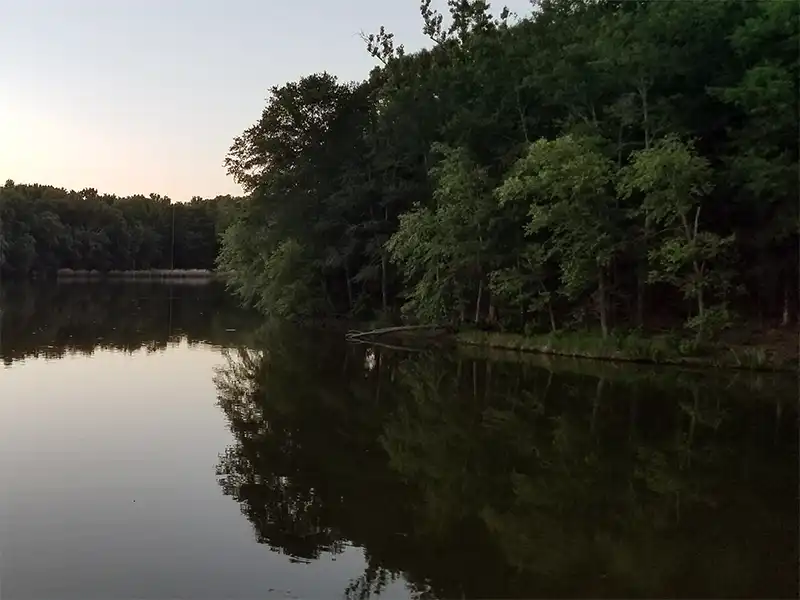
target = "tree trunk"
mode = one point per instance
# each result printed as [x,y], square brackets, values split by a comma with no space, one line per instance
[326,295]
[645,114]
[487,386]
[478,302]
[701,306]
[349,286]
[492,313]
[553,327]
[701,311]
[384,293]
[378,358]
[641,284]
[601,304]
[786,318]
[475,379]
[522,119]
[691,236]
[384,265]
[356,335]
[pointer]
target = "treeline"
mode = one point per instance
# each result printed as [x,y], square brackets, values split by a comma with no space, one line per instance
[44,229]
[601,162]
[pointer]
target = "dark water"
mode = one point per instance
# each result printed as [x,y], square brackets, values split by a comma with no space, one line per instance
[157,443]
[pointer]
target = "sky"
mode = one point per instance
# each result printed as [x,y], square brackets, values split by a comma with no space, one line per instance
[146,96]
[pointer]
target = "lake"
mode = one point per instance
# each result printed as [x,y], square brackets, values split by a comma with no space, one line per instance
[158,442]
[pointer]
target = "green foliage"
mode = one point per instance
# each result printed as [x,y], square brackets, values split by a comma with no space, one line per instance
[674,182]
[565,183]
[712,322]
[572,117]
[288,280]
[672,178]
[310,206]
[525,285]
[444,250]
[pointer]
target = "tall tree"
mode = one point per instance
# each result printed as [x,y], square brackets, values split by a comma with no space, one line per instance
[674,182]
[566,185]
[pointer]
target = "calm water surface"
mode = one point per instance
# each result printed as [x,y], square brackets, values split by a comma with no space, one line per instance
[156,442]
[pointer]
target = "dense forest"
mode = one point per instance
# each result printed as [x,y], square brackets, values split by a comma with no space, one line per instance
[611,163]
[44,229]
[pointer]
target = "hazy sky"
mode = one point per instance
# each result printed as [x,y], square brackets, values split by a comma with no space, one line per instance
[140,96]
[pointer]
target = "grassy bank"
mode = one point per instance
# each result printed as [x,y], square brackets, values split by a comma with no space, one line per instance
[772,351]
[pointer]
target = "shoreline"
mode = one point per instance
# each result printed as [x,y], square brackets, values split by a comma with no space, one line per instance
[755,349]
[647,350]
[776,351]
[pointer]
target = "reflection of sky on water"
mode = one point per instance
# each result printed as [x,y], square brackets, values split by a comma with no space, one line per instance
[107,466]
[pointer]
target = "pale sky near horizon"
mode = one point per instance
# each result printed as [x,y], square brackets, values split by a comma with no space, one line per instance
[146,96]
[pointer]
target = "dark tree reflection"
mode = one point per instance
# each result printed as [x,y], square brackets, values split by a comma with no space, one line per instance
[54,320]
[468,477]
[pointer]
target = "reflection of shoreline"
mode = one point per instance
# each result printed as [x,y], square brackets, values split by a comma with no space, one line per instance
[680,376]
[55,319]
[189,276]
[199,281]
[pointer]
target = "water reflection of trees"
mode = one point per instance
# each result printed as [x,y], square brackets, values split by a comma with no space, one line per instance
[474,478]
[52,321]
[301,453]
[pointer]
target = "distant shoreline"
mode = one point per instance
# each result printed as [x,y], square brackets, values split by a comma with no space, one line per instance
[148,274]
